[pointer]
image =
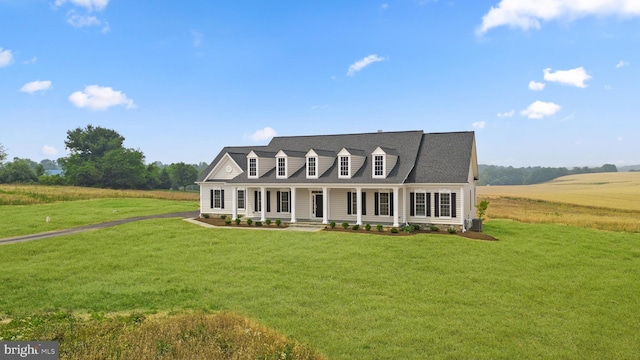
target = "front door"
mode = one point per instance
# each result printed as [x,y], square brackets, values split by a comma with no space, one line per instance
[317,206]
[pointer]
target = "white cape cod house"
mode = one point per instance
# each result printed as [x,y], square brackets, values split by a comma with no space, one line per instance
[391,178]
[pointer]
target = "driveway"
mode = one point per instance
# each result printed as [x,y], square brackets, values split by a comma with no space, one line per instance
[49,234]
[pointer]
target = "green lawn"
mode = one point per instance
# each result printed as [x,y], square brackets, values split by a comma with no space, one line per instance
[18,220]
[542,291]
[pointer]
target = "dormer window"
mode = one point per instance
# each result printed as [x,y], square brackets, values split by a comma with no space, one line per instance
[344,167]
[253,168]
[312,167]
[378,166]
[282,168]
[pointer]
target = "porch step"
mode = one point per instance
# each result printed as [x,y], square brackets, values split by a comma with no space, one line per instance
[306,226]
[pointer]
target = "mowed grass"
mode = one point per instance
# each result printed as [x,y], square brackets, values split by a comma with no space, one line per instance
[542,291]
[24,208]
[607,201]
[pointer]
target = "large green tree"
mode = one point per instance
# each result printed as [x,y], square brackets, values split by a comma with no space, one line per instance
[98,158]
[17,171]
[182,175]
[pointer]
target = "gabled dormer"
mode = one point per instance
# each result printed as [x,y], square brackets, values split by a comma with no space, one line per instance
[318,162]
[288,162]
[259,163]
[349,162]
[383,160]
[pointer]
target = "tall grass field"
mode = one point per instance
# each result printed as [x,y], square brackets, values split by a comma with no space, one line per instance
[543,290]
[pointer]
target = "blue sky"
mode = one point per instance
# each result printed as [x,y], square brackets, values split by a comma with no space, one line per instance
[549,83]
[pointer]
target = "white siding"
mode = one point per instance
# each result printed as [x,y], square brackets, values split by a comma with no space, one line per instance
[391,163]
[265,164]
[220,171]
[458,220]
[324,163]
[294,164]
[356,164]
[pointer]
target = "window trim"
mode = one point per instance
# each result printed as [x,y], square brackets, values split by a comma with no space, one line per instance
[388,202]
[283,201]
[424,204]
[440,205]
[383,160]
[244,199]
[340,174]
[281,166]
[315,167]
[218,199]
[255,162]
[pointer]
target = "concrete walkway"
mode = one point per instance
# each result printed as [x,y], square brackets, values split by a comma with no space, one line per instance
[290,227]
[49,234]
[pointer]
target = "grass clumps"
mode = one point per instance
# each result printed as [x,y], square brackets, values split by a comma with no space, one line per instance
[138,336]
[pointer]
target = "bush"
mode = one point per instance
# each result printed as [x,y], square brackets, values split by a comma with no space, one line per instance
[367,227]
[482,209]
[206,216]
[332,224]
[268,222]
[355,227]
[238,221]
[345,225]
[379,227]
[249,222]
[434,228]
[408,228]
[258,223]
[223,217]
[394,230]
[452,230]
[416,227]
[227,221]
[278,222]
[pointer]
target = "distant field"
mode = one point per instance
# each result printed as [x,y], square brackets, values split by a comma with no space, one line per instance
[605,201]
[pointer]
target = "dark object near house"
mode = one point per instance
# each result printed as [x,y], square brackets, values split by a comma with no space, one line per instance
[476,225]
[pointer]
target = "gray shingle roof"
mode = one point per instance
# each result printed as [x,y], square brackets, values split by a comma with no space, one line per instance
[422,158]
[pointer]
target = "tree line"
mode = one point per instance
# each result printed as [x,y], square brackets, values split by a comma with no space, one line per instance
[508,175]
[97,158]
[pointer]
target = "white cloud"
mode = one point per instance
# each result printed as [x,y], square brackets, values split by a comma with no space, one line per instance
[49,150]
[36,86]
[6,57]
[478,125]
[575,77]
[536,86]
[527,14]
[91,5]
[100,98]
[79,21]
[507,114]
[33,60]
[622,63]
[608,87]
[540,109]
[263,134]
[361,64]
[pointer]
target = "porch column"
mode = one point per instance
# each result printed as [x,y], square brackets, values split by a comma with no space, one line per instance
[234,203]
[325,201]
[395,207]
[263,203]
[359,206]
[292,204]
[405,218]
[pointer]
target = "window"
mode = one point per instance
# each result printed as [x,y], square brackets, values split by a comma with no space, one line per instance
[421,204]
[311,167]
[217,199]
[378,166]
[253,167]
[344,166]
[445,204]
[354,203]
[241,201]
[383,204]
[282,167]
[284,201]
[257,201]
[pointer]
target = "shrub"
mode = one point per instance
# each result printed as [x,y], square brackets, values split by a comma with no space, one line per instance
[258,223]
[452,230]
[268,222]
[332,224]
[206,216]
[416,227]
[223,217]
[227,221]
[482,209]
[278,222]
[367,227]
[238,221]
[249,222]
[345,225]
[408,228]
[355,227]
[379,227]
[394,230]
[434,228]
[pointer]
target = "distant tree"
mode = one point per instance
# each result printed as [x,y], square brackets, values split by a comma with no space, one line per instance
[3,154]
[97,158]
[609,168]
[48,164]
[183,175]
[17,171]
[164,179]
